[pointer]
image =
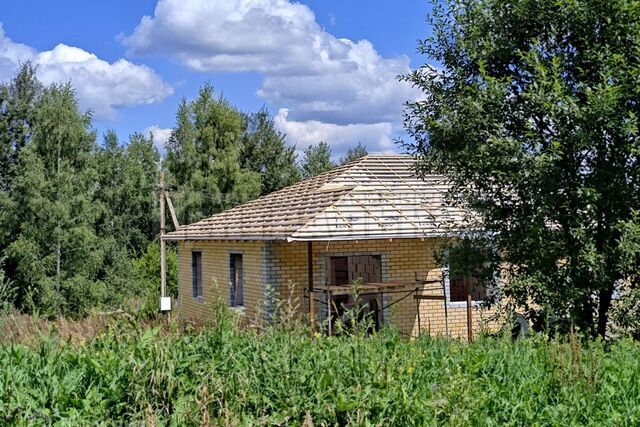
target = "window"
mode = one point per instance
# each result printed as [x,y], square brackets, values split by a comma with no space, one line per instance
[196,274]
[236,285]
[343,270]
[458,286]
[339,270]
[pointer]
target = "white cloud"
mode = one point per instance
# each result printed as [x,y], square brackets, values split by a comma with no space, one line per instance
[160,136]
[366,93]
[100,85]
[234,35]
[375,136]
[321,79]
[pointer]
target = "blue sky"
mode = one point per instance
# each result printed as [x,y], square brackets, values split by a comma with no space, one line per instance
[323,68]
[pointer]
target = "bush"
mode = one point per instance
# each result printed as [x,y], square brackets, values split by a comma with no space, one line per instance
[147,269]
[7,290]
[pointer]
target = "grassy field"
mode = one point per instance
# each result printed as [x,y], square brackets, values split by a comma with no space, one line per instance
[219,375]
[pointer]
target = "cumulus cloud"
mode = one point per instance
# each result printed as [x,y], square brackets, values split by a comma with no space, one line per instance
[320,79]
[160,136]
[376,136]
[100,85]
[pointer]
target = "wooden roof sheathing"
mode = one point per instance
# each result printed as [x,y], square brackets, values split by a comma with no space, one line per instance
[377,196]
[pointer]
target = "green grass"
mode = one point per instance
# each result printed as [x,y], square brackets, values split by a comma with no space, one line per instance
[223,376]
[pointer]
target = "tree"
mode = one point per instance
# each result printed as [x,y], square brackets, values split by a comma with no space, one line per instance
[56,251]
[317,159]
[127,179]
[127,187]
[264,151]
[354,153]
[17,100]
[203,158]
[532,112]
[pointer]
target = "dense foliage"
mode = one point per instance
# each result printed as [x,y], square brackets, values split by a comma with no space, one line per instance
[223,376]
[79,218]
[74,215]
[316,160]
[354,153]
[203,158]
[264,152]
[218,157]
[531,109]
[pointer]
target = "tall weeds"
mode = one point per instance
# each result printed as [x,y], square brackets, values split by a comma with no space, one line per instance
[283,375]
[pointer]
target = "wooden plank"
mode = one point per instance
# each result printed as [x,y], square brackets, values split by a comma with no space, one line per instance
[429,297]
[172,211]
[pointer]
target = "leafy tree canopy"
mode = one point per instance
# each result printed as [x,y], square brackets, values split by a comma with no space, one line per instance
[17,101]
[73,215]
[56,251]
[317,159]
[532,112]
[264,151]
[354,153]
[203,158]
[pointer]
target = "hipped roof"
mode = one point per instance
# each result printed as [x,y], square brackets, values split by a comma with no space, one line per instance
[375,197]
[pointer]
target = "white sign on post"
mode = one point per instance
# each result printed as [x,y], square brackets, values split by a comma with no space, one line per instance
[165,304]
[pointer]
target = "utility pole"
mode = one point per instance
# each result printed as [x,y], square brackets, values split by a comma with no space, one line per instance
[165,302]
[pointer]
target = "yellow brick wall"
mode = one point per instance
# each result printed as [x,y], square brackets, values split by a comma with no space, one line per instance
[215,276]
[402,259]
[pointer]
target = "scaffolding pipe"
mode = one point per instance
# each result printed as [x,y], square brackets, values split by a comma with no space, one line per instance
[310,284]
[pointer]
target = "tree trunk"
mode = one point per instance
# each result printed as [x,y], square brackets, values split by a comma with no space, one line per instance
[603,309]
[584,315]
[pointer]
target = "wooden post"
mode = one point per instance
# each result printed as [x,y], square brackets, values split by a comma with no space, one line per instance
[329,310]
[172,211]
[469,317]
[445,303]
[310,283]
[163,255]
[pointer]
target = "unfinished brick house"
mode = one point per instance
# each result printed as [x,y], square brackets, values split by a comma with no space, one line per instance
[372,219]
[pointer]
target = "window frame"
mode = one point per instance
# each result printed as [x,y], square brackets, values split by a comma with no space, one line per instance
[447,290]
[195,278]
[329,264]
[232,286]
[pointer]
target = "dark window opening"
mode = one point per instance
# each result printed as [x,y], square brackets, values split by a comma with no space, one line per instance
[196,274]
[344,270]
[368,310]
[339,270]
[236,280]
[459,287]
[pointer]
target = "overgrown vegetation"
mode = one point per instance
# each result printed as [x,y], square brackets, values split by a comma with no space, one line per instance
[284,375]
